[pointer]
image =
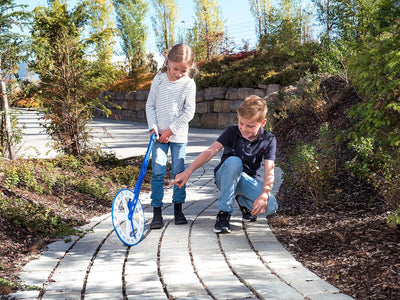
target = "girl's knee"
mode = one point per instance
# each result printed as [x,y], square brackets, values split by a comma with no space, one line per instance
[158,170]
[178,167]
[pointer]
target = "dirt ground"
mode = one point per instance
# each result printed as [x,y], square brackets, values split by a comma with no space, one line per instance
[345,241]
[20,245]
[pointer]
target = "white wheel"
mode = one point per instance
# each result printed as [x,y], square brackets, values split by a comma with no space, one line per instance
[129,230]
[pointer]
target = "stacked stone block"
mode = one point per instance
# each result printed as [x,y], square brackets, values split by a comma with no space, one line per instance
[215,107]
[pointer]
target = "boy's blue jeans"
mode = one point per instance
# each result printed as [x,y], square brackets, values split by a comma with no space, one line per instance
[159,162]
[232,181]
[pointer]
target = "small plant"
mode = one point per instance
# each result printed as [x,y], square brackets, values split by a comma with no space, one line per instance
[28,176]
[22,172]
[49,175]
[314,166]
[125,175]
[69,162]
[97,187]
[394,219]
[9,286]
[378,167]
[11,177]
[35,217]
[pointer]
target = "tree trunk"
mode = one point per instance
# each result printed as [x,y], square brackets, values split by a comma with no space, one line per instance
[6,124]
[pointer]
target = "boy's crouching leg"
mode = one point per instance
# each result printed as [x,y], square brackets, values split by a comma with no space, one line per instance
[222,223]
[272,205]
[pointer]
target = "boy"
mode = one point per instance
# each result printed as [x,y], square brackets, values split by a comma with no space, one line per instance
[237,175]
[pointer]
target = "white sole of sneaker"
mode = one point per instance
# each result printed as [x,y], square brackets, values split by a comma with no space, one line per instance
[224,230]
[248,221]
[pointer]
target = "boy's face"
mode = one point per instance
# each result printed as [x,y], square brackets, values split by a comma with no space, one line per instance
[249,128]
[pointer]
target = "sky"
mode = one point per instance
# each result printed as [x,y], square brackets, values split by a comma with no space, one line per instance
[239,22]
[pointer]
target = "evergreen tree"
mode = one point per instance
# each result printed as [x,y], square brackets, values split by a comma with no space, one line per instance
[290,23]
[68,88]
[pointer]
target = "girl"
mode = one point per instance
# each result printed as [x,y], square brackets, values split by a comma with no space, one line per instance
[169,108]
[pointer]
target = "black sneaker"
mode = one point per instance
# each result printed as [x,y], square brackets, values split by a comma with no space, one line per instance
[157,222]
[222,223]
[178,214]
[246,213]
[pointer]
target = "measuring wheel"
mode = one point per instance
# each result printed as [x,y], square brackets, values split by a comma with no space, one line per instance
[127,212]
[128,217]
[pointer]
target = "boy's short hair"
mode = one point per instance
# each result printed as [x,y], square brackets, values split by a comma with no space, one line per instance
[253,108]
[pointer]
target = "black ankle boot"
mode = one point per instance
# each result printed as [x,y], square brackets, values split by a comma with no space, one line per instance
[157,221]
[179,216]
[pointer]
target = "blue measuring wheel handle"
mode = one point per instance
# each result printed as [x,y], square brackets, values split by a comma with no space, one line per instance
[127,212]
[145,163]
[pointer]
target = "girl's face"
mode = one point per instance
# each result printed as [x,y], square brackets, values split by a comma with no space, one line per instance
[249,128]
[177,70]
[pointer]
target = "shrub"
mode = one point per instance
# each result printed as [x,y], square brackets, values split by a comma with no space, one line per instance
[22,172]
[98,187]
[125,175]
[313,166]
[377,166]
[249,69]
[35,217]
[69,162]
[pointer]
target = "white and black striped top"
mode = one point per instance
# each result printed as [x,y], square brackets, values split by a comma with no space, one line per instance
[171,104]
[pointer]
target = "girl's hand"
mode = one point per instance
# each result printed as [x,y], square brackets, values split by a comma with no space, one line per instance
[165,135]
[155,132]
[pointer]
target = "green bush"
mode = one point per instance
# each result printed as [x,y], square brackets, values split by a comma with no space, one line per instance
[98,187]
[249,69]
[69,162]
[35,217]
[22,172]
[125,175]
[374,70]
[312,167]
[97,175]
[374,164]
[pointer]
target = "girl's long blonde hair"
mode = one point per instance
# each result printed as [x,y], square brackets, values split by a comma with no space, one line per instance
[181,53]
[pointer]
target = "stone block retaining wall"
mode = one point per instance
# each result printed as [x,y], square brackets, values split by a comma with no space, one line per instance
[215,107]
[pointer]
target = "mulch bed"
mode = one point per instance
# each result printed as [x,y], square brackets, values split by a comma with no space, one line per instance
[344,239]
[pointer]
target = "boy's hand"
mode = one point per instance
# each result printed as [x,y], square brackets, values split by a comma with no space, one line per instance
[260,204]
[180,179]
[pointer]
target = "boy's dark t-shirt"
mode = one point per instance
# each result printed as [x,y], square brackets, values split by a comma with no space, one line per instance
[252,153]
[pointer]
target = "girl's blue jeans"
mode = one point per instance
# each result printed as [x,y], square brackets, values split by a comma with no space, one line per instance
[159,163]
[232,181]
